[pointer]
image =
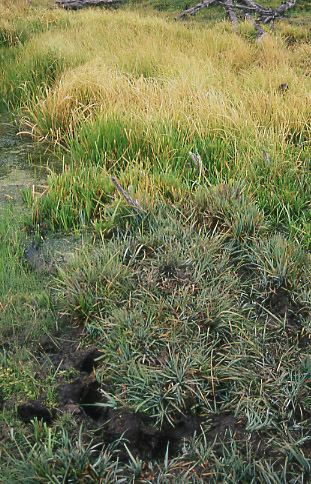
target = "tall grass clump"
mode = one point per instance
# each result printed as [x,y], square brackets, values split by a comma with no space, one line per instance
[83,197]
[227,81]
[153,90]
[29,66]
[140,288]
[54,453]
[231,210]
[20,20]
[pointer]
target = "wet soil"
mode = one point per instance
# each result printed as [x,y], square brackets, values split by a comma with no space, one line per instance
[54,250]
[171,276]
[281,304]
[84,399]
[28,411]
[22,163]
[25,165]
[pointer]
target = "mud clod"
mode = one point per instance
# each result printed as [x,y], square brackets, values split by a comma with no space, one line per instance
[135,428]
[82,392]
[142,438]
[30,410]
[70,393]
[89,362]
[281,304]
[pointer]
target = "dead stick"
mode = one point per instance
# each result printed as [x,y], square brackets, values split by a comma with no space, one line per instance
[266,157]
[192,10]
[130,201]
[197,160]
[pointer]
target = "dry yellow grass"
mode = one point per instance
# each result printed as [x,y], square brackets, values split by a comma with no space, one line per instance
[149,68]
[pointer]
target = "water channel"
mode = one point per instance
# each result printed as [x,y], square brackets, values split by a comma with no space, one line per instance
[23,164]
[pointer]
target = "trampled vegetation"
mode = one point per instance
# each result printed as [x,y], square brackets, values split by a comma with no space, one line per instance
[195,301]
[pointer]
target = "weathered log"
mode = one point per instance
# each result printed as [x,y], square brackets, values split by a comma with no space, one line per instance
[257,27]
[249,8]
[231,14]
[283,8]
[196,8]
[78,4]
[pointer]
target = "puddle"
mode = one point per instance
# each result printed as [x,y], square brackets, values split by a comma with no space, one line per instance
[22,162]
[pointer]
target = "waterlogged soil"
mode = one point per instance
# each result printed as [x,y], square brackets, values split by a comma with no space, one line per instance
[84,398]
[25,165]
[50,252]
[22,163]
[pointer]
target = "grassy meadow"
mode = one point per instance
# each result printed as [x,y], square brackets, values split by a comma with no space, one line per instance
[197,298]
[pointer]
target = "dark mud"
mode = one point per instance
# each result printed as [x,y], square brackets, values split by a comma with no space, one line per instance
[62,350]
[225,427]
[84,399]
[31,410]
[15,150]
[171,276]
[281,304]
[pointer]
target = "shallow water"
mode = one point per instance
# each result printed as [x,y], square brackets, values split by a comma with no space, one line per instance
[22,162]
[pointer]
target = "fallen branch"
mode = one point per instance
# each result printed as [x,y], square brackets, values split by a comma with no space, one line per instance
[248,8]
[135,204]
[196,8]
[231,14]
[77,4]
[257,27]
